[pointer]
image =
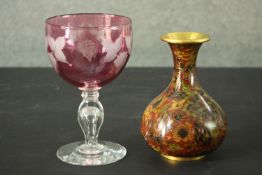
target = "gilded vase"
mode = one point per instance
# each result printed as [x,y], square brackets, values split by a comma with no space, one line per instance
[184,122]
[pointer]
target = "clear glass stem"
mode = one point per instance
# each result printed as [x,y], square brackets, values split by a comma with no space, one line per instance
[91,152]
[90,116]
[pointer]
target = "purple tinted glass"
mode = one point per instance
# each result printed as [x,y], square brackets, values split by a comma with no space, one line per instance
[88,50]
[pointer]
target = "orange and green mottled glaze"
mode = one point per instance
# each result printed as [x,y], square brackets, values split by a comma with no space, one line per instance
[184,121]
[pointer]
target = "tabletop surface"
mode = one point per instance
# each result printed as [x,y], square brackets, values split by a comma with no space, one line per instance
[38,115]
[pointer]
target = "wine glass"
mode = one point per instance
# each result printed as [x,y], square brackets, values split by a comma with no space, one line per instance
[89,50]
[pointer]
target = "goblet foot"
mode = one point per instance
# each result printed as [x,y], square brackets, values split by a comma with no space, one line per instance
[182,158]
[102,153]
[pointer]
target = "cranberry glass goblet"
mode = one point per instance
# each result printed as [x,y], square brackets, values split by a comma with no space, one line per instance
[88,51]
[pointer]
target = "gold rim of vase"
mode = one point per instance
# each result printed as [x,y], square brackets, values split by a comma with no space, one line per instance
[182,158]
[185,37]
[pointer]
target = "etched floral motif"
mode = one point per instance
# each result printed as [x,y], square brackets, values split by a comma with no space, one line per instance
[53,61]
[93,53]
[111,49]
[88,49]
[56,47]
[120,60]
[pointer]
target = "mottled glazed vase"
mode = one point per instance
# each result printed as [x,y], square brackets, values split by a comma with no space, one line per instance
[184,122]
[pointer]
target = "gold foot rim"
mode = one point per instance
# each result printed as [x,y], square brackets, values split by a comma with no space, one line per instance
[182,158]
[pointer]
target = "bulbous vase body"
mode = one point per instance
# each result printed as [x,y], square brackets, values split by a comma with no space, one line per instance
[184,122]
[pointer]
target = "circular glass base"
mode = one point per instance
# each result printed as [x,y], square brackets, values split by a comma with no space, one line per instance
[78,153]
[182,158]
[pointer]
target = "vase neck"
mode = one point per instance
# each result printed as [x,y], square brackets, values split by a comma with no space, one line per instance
[184,57]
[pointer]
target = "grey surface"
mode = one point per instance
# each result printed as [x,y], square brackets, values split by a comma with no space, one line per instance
[38,115]
[234,26]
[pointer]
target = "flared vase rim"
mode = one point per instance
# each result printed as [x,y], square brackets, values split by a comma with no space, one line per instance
[185,37]
[47,21]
